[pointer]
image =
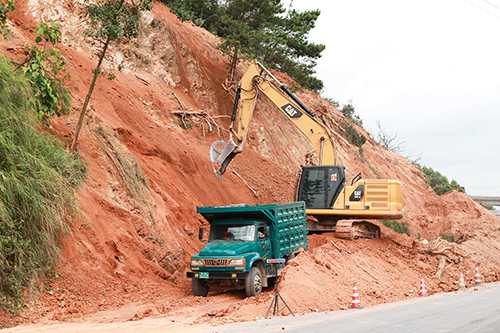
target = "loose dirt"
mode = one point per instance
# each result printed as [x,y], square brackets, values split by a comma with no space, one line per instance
[126,257]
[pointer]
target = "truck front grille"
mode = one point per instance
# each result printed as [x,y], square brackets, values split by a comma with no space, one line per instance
[215,262]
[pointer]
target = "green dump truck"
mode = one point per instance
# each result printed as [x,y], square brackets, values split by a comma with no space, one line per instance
[242,240]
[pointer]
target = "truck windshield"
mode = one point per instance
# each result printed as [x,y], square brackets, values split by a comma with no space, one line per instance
[229,232]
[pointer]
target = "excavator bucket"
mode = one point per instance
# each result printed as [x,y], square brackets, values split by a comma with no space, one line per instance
[221,154]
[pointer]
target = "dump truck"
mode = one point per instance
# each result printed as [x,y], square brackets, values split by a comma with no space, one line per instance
[241,242]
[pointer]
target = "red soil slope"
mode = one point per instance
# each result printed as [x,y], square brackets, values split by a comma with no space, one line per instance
[130,251]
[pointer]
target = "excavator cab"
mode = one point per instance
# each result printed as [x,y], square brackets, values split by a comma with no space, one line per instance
[319,186]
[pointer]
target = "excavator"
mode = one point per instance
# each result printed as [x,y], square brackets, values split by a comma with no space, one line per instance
[331,205]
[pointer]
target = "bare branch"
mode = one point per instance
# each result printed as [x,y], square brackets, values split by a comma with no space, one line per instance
[389,140]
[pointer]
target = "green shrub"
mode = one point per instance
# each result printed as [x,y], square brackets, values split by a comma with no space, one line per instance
[401,228]
[46,69]
[349,112]
[440,183]
[37,189]
[352,135]
[449,237]
[487,206]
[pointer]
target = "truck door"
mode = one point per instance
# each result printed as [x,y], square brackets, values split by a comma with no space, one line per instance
[264,242]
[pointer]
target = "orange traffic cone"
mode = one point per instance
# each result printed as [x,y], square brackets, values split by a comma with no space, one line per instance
[356,304]
[477,278]
[423,290]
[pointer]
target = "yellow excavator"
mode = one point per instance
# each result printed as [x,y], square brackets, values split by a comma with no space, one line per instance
[333,206]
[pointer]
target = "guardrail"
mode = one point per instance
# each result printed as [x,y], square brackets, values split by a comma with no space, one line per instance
[486,199]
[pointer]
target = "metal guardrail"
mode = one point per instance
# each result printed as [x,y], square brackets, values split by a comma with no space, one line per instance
[486,199]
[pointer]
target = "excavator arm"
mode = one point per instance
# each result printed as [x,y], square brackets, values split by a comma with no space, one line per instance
[258,79]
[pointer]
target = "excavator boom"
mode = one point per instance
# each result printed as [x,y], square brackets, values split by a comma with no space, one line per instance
[252,83]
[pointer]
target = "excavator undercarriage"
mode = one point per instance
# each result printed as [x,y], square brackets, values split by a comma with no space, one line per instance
[347,229]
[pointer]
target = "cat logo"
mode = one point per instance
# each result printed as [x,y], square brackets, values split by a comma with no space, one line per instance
[292,111]
[358,194]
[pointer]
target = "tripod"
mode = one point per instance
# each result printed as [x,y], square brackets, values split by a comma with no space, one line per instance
[277,296]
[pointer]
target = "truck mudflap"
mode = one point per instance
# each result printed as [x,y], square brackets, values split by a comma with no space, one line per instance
[217,275]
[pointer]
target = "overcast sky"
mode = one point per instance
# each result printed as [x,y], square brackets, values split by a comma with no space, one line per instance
[427,70]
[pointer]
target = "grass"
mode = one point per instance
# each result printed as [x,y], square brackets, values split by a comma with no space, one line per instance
[38,180]
[128,167]
[401,228]
[352,135]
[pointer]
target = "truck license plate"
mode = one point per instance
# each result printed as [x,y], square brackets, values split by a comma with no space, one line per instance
[203,275]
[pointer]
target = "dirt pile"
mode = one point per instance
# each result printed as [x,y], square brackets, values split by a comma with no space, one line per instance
[149,169]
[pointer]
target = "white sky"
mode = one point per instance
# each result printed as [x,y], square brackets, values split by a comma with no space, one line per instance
[427,70]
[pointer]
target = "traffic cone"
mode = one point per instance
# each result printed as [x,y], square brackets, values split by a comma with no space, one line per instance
[356,304]
[423,290]
[461,283]
[477,278]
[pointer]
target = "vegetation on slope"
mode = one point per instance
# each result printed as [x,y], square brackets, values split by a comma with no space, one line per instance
[401,228]
[440,183]
[261,29]
[37,191]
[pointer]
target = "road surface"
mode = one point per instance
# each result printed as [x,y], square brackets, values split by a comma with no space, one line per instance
[463,311]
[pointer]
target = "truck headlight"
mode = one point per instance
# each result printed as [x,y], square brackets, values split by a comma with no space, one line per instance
[237,262]
[196,262]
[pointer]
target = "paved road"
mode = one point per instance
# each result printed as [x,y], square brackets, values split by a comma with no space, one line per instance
[464,311]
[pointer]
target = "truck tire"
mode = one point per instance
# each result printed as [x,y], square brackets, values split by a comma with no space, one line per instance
[200,287]
[253,282]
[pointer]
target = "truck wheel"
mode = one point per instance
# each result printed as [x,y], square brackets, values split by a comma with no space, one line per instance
[200,287]
[253,282]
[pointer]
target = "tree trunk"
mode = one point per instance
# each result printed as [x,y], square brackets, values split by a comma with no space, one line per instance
[87,99]
[234,62]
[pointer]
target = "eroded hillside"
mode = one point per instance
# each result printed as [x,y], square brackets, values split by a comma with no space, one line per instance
[149,168]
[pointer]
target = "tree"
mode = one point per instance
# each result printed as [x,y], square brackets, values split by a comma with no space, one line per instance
[261,29]
[388,140]
[110,20]
[46,69]
[291,53]
[203,13]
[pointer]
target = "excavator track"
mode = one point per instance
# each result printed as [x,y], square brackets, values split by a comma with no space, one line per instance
[351,229]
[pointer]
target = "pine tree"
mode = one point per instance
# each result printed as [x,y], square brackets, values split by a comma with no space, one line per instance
[261,29]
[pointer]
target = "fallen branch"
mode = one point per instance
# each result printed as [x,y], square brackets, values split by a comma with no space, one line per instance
[183,108]
[442,263]
[143,80]
[436,252]
[254,192]
[180,102]
[204,115]
[336,246]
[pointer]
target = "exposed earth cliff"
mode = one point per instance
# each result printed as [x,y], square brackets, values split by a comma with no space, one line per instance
[149,168]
